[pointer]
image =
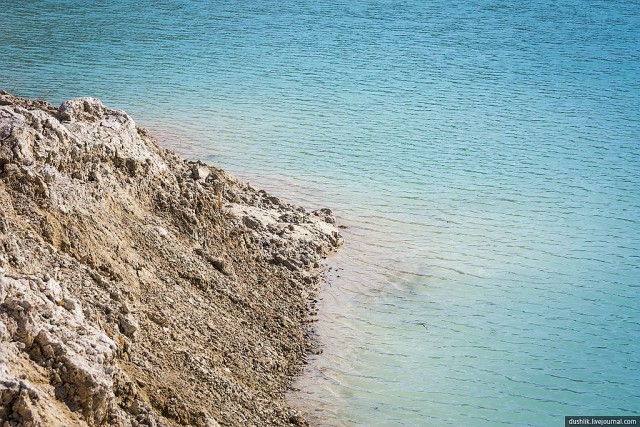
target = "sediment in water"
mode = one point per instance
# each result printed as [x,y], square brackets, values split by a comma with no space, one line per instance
[127,296]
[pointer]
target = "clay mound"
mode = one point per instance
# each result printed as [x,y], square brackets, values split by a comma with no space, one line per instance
[128,296]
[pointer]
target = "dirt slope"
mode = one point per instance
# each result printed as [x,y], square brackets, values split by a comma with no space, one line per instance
[127,296]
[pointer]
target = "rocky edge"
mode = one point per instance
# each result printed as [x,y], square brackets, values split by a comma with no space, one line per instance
[127,296]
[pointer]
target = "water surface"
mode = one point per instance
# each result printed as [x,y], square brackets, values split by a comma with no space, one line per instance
[484,155]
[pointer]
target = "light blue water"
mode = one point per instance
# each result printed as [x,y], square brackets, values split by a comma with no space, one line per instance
[484,154]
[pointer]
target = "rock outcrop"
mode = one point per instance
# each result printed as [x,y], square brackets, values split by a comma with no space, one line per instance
[141,289]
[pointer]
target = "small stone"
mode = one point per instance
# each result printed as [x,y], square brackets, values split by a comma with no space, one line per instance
[129,325]
[41,186]
[326,215]
[95,176]
[251,222]
[135,407]
[336,239]
[74,307]
[199,172]
[53,290]
[162,232]
[222,265]
[49,173]
[131,166]
[274,200]
[69,304]
[290,264]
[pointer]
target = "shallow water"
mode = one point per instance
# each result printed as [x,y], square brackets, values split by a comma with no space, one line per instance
[484,155]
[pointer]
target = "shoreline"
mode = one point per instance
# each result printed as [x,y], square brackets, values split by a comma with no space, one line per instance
[297,193]
[128,296]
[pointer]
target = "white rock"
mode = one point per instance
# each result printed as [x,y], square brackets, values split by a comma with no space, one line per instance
[53,290]
[74,307]
[199,172]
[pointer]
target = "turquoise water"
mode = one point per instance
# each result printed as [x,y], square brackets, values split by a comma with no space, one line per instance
[485,156]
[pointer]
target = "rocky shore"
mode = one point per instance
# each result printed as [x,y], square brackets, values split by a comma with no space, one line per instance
[141,289]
